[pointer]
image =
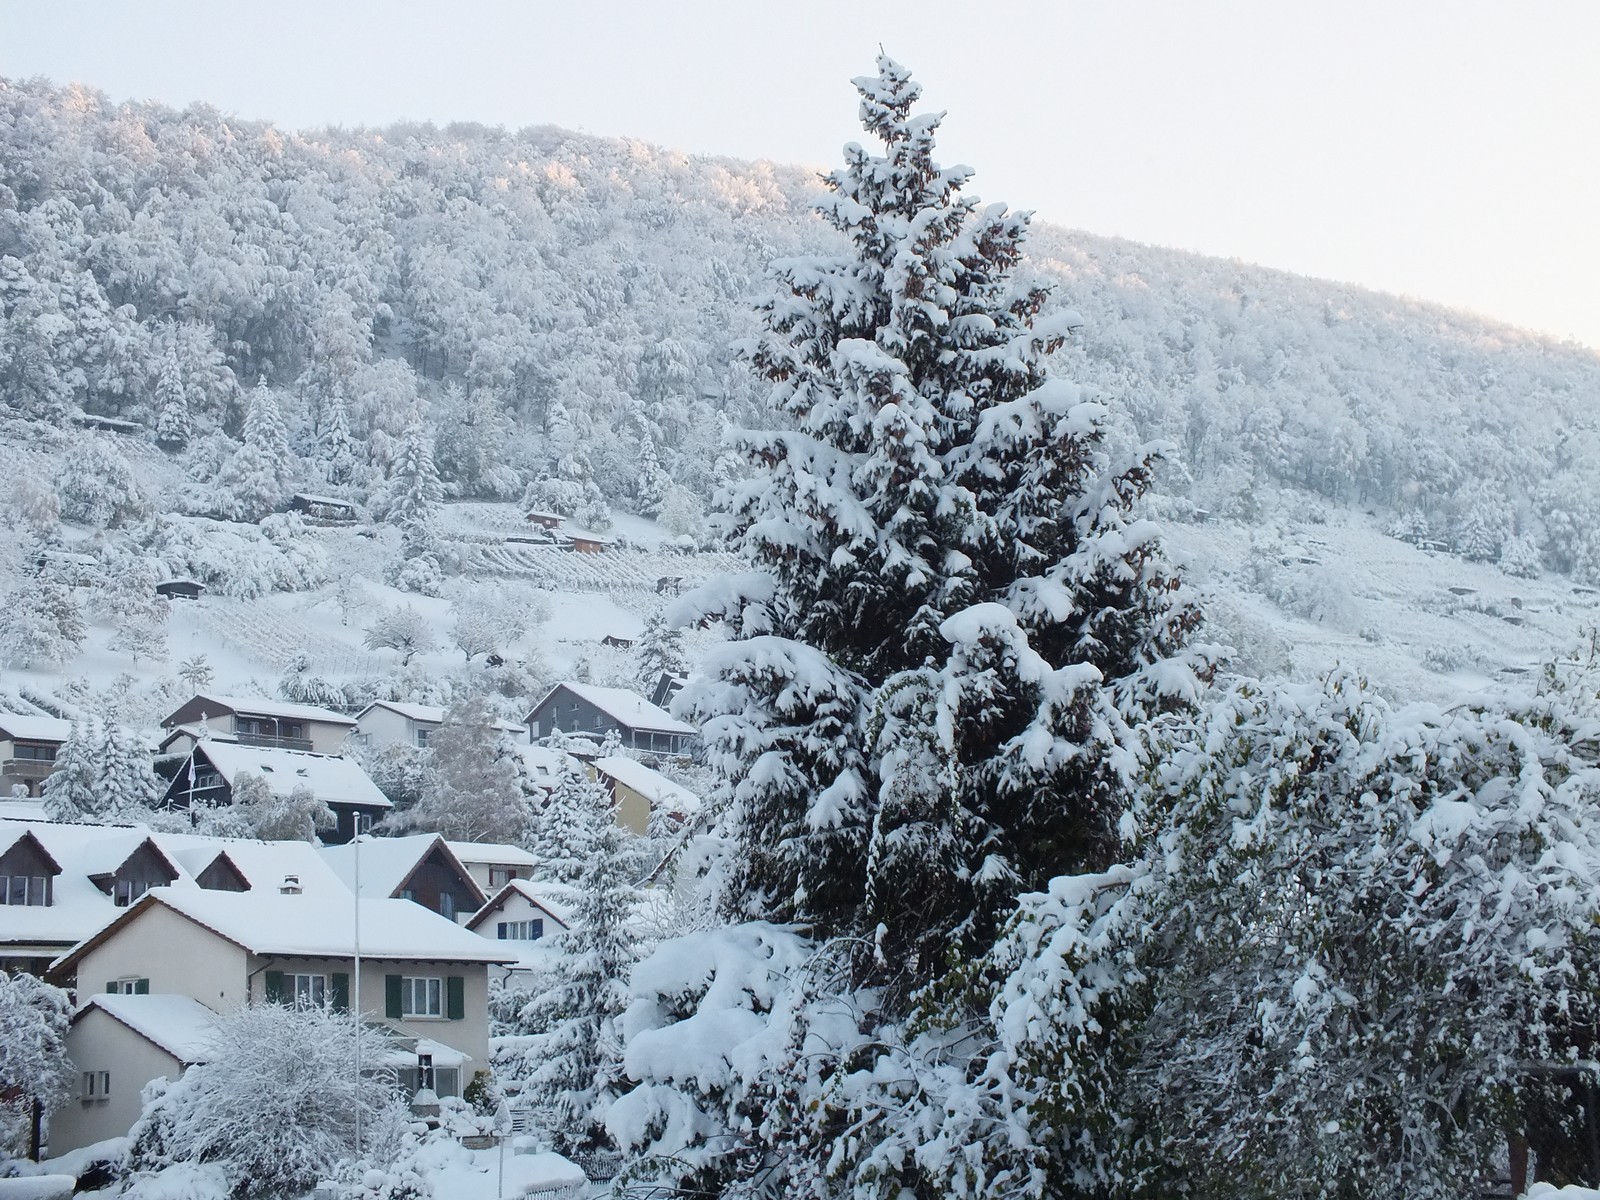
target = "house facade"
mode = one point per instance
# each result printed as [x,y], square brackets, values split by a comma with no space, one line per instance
[392,722]
[423,979]
[206,779]
[588,710]
[269,723]
[520,919]
[28,748]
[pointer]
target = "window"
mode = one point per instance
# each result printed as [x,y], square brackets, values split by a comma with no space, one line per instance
[310,991]
[96,1085]
[24,889]
[129,987]
[127,891]
[422,739]
[520,931]
[421,996]
[447,905]
[500,876]
[34,753]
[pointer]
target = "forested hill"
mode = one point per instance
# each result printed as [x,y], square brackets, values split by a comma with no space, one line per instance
[549,303]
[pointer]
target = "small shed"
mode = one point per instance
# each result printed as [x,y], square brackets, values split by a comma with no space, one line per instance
[669,585]
[617,642]
[326,508]
[547,520]
[585,542]
[180,589]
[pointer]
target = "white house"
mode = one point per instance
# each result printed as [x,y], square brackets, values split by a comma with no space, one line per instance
[521,917]
[424,979]
[391,722]
[493,865]
[28,747]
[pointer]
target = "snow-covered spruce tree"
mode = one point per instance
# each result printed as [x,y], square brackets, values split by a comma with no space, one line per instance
[560,830]
[127,786]
[567,1055]
[954,622]
[659,651]
[173,424]
[72,789]
[470,790]
[414,496]
[337,453]
[256,479]
[34,1068]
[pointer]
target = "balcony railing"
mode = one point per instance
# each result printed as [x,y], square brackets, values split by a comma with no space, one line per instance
[27,768]
[274,741]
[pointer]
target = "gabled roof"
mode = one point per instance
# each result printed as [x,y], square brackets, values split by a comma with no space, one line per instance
[105,857]
[38,846]
[184,1028]
[194,733]
[335,780]
[388,863]
[543,765]
[556,899]
[493,854]
[263,864]
[257,706]
[655,787]
[628,709]
[429,714]
[34,729]
[269,924]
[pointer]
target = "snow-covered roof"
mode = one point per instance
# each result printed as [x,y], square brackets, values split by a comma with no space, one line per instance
[652,785]
[386,862]
[625,707]
[273,924]
[429,714]
[34,729]
[78,907]
[195,733]
[331,501]
[183,1027]
[262,707]
[544,765]
[492,853]
[334,780]
[557,899]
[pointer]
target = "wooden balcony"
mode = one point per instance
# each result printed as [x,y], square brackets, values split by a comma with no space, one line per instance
[273,741]
[30,769]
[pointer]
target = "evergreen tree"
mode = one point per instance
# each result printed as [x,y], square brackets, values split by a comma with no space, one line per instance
[415,491]
[1521,557]
[470,791]
[337,453]
[173,424]
[72,789]
[256,480]
[659,651]
[560,831]
[956,623]
[652,484]
[570,1065]
[126,782]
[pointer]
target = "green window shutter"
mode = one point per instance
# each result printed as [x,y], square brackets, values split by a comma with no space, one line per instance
[141,987]
[112,987]
[341,991]
[455,997]
[391,995]
[274,987]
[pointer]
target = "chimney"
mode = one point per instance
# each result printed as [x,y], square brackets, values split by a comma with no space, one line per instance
[291,886]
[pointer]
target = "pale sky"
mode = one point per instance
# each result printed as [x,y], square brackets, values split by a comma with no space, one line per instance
[1442,149]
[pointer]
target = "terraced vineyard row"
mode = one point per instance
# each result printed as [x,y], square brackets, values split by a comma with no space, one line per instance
[615,570]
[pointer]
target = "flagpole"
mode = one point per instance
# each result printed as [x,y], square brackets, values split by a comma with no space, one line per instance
[355,999]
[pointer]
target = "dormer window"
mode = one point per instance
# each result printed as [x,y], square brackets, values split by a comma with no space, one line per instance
[25,889]
[27,874]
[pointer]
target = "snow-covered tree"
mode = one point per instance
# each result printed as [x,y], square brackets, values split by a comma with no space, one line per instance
[126,784]
[561,831]
[35,1072]
[1520,556]
[72,789]
[415,492]
[955,619]
[567,1061]
[196,672]
[276,1105]
[484,623]
[403,629]
[40,623]
[256,480]
[338,456]
[470,791]
[37,505]
[294,816]
[127,599]
[652,484]
[96,485]
[174,427]
[659,650]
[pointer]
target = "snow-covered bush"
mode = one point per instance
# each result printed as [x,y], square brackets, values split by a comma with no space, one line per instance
[40,624]
[237,560]
[276,1105]
[97,487]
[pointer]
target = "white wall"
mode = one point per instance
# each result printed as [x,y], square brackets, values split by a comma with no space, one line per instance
[97,1042]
